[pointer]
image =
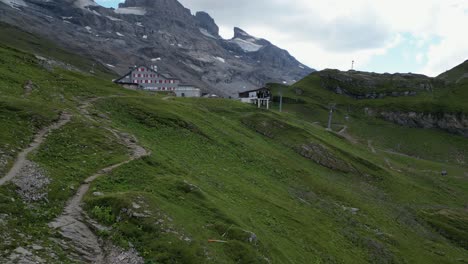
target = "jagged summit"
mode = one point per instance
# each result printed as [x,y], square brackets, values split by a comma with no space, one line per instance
[208,23]
[161,4]
[240,33]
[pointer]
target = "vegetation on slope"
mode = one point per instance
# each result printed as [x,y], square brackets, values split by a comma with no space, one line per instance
[226,171]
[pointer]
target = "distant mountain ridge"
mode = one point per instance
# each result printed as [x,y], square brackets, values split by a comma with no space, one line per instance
[161,32]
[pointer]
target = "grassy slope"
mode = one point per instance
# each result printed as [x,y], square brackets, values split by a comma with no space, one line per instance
[212,175]
[69,155]
[256,183]
[424,143]
[443,99]
[455,74]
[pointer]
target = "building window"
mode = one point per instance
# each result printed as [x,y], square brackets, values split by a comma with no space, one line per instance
[160,81]
[142,69]
[135,81]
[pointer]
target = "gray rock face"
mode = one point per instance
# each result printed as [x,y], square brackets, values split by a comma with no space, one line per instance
[321,155]
[161,33]
[116,254]
[453,123]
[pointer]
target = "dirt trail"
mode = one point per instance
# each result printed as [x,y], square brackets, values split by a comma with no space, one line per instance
[72,224]
[343,130]
[39,138]
[347,136]
[371,147]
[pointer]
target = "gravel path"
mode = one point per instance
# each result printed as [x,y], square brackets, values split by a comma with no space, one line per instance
[21,160]
[72,224]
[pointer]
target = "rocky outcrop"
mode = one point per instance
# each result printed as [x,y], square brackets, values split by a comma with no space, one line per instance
[456,123]
[32,182]
[366,85]
[29,87]
[162,33]
[322,156]
[208,23]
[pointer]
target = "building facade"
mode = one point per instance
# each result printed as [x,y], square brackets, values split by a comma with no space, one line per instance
[148,79]
[187,91]
[260,97]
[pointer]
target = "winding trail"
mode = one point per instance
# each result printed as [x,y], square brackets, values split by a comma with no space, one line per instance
[72,223]
[37,141]
[347,136]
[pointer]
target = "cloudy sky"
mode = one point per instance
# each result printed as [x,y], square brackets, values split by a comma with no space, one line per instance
[424,36]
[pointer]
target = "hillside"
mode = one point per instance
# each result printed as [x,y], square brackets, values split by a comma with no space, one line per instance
[457,75]
[410,100]
[162,33]
[119,176]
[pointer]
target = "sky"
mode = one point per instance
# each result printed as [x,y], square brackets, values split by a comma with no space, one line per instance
[419,36]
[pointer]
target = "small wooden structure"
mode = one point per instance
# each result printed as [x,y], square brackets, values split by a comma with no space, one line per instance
[260,97]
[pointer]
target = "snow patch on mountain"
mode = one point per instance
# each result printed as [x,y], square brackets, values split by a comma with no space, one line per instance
[119,34]
[221,59]
[138,11]
[206,33]
[246,45]
[14,3]
[113,18]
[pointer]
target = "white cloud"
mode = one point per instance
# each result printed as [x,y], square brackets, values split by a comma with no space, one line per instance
[420,57]
[453,47]
[331,33]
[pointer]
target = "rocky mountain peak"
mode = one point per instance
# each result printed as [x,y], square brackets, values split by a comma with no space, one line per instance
[207,22]
[241,34]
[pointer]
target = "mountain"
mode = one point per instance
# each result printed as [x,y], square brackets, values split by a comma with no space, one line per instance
[159,32]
